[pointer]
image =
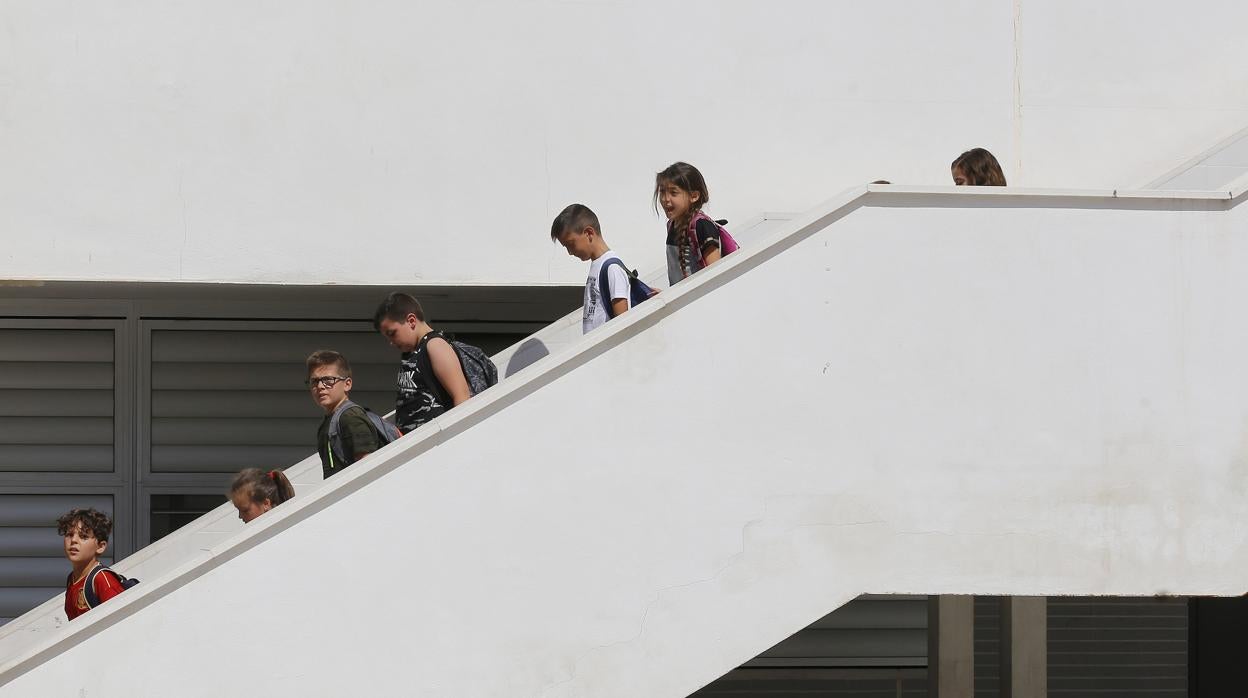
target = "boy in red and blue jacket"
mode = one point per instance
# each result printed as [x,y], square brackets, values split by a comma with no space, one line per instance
[86,534]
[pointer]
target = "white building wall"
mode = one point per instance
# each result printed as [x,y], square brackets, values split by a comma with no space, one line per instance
[1220,167]
[970,392]
[431,143]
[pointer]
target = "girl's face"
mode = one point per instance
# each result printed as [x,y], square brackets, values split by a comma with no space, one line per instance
[959,177]
[676,202]
[248,508]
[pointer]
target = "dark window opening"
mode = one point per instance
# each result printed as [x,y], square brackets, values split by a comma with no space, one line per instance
[173,511]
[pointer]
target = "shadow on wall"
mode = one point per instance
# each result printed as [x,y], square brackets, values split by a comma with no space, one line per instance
[528,353]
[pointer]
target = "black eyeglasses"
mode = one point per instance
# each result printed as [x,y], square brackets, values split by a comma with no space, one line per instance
[324,381]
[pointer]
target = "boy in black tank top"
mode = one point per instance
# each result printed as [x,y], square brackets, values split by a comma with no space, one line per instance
[401,320]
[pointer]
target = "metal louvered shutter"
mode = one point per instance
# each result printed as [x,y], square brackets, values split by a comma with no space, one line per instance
[228,396]
[872,646]
[987,646]
[1097,646]
[818,683]
[1118,647]
[61,447]
[871,630]
[56,399]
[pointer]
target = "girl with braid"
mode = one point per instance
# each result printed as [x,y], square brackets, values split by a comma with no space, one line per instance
[694,239]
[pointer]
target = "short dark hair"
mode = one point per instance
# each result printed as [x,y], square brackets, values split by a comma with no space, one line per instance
[980,167]
[329,357]
[397,306]
[96,522]
[575,217]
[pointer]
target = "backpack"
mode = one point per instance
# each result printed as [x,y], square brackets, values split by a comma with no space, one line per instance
[88,587]
[638,291]
[727,244]
[386,432]
[479,370]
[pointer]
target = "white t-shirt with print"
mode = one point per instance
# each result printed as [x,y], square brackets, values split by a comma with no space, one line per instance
[594,312]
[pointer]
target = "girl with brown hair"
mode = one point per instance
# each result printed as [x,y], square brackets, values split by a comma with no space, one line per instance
[254,492]
[977,168]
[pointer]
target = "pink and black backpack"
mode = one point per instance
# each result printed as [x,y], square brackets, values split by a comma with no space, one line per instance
[727,245]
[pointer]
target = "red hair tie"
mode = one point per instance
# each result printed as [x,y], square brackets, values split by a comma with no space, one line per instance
[273,475]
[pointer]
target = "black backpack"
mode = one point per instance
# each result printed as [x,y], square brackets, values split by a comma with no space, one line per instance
[386,432]
[479,370]
[638,290]
[88,587]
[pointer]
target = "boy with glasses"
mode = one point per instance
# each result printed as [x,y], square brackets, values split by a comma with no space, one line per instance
[346,434]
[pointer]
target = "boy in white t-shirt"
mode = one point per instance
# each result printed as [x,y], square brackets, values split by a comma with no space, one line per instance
[577,229]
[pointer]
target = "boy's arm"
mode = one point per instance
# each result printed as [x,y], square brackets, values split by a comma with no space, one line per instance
[619,306]
[447,369]
[359,437]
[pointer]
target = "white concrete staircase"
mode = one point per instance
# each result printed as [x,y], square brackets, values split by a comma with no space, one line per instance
[904,391]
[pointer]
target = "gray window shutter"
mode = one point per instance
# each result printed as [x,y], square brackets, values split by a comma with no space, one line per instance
[56,400]
[228,398]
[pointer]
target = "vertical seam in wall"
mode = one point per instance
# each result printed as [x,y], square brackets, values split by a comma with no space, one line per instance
[1018,92]
[185,224]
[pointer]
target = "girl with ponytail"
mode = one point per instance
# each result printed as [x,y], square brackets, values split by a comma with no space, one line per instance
[255,491]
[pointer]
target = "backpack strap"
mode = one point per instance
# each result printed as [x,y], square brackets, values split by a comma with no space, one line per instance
[727,244]
[426,366]
[88,587]
[693,230]
[604,285]
[335,439]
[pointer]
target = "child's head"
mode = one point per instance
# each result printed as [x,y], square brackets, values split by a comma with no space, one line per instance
[577,229]
[86,534]
[254,492]
[680,190]
[329,378]
[977,168]
[401,320]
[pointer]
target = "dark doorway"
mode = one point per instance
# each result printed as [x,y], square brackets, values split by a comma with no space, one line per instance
[1218,645]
